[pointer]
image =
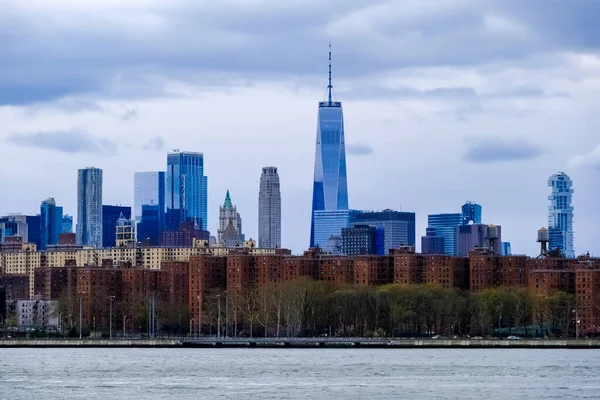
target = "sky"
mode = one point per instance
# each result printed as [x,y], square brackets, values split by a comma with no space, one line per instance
[444,102]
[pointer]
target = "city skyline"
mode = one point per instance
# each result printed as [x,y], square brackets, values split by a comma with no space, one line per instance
[429,126]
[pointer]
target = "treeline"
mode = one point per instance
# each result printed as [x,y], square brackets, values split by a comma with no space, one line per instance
[313,308]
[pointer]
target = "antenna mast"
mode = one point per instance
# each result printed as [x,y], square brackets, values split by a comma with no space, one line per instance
[330,86]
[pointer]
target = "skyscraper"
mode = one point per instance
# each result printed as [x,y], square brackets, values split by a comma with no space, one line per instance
[329,223]
[560,214]
[187,190]
[67,224]
[330,187]
[471,213]
[398,227]
[269,210]
[110,217]
[51,220]
[148,188]
[89,207]
[446,226]
[230,222]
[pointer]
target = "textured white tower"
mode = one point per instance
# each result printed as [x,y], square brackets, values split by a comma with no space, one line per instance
[89,207]
[269,210]
[560,214]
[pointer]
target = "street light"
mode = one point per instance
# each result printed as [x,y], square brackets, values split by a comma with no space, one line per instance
[80,335]
[226,321]
[200,314]
[124,323]
[577,321]
[219,316]
[191,328]
[110,323]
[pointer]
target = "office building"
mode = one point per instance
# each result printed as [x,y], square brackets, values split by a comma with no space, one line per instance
[89,207]
[51,223]
[148,229]
[431,243]
[230,221]
[506,250]
[27,227]
[446,226]
[398,227]
[67,224]
[187,190]
[125,232]
[471,237]
[560,214]
[328,223]
[471,213]
[330,187]
[110,216]
[149,188]
[363,240]
[269,210]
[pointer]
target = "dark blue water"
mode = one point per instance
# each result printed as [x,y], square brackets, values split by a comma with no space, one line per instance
[299,374]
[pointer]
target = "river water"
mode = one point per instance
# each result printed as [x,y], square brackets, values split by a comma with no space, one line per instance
[299,374]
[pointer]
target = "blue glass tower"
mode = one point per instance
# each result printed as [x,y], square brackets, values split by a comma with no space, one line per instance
[330,187]
[110,216]
[51,219]
[471,213]
[446,226]
[187,190]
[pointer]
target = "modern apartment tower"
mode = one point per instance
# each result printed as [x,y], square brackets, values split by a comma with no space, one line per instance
[89,207]
[269,210]
[187,190]
[330,187]
[560,214]
[51,221]
[148,188]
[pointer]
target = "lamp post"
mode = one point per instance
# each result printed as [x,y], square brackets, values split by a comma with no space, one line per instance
[124,323]
[80,335]
[219,316]
[110,322]
[200,315]
[191,327]
[60,322]
[577,321]
[226,321]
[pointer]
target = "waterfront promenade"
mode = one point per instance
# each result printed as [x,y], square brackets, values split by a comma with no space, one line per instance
[391,343]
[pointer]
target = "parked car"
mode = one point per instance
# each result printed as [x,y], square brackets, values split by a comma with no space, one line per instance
[512,337]
[477,338]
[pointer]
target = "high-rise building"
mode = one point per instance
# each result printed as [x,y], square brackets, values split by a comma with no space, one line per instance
[431,243]
[398,227]
[362,239]
[230,222]
[475,236]
[89,207]
[471,213]
[26,227]
[51,220]
[187,190]
[67,224]
[110,216]
[560,214]
[125,232]
[330,187]
[269,210]
[446,226]
[506,250]
[328,223]
[148,229]
[149,188]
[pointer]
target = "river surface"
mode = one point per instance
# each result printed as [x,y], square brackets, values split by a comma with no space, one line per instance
[299,374]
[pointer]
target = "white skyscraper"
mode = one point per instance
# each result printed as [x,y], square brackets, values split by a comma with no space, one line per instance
[89,207]
[560,214]
[269,210]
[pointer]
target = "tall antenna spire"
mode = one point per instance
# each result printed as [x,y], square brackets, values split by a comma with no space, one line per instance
[330,86]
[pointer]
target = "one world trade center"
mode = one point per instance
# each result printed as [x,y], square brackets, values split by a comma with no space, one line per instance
[330,188]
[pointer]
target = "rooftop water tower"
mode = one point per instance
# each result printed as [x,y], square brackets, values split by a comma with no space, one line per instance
[543,239]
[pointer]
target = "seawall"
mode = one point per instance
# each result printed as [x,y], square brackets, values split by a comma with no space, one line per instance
[301,343]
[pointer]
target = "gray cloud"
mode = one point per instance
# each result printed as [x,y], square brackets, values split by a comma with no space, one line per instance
[197,42]
[70,142]
[359,149]
[490,150]
[155,144]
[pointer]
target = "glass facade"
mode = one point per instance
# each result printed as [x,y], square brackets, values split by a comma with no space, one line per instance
[187,190]
[328,223]
[330,187]
[148,230]
[89,207]
[446,226]
[51,221]
[398,227]
[67,224]
[471,213]
[148,188]
[560,214]
[359,240]
[110,216]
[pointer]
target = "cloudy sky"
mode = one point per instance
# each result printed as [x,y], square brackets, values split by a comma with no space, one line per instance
[444,101]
